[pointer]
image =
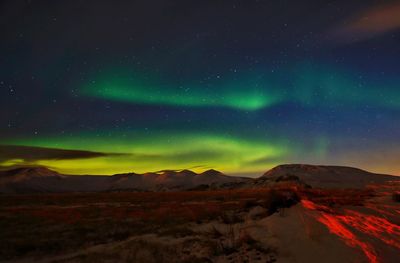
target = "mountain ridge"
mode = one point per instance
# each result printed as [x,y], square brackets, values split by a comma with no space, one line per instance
[42,179]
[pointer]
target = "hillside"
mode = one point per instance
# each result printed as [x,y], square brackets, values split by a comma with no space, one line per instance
[41,179]
[325,176]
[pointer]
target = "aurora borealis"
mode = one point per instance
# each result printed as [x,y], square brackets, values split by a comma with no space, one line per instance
[97,87]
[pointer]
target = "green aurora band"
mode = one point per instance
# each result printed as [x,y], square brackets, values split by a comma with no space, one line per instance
[306,84]
[232,95]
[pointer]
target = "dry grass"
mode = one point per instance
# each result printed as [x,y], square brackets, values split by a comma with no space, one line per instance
[54,224]
[337,197]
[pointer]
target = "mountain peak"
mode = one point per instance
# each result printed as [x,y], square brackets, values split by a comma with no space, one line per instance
[187,172]
[30,171]
[211,172]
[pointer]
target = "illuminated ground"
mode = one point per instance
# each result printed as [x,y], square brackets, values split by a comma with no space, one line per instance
[210,226]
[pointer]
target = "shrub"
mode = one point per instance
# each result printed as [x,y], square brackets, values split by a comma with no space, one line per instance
[247,204]
[215,233]
[396,197]
[275,200]
[231,217]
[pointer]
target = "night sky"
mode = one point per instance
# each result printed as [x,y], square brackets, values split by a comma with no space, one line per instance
[104,87]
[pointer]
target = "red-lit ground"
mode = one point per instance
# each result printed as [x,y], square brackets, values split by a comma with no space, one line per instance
[366,228]
[328,225]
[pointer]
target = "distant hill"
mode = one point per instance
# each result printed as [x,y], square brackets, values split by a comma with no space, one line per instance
[42,179]
[325,176]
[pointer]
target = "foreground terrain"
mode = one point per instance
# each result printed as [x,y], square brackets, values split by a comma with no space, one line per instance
[285,222]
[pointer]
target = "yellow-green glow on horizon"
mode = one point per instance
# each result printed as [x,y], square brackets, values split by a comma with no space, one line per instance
[197,152]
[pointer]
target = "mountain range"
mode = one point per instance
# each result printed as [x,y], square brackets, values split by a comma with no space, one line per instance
[45,180]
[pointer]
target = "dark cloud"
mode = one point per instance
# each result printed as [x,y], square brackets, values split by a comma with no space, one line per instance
[32,154]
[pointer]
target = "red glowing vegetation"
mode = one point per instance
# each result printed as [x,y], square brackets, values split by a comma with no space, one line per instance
[374,226]
[335,226]
[386,210]
[346,224]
